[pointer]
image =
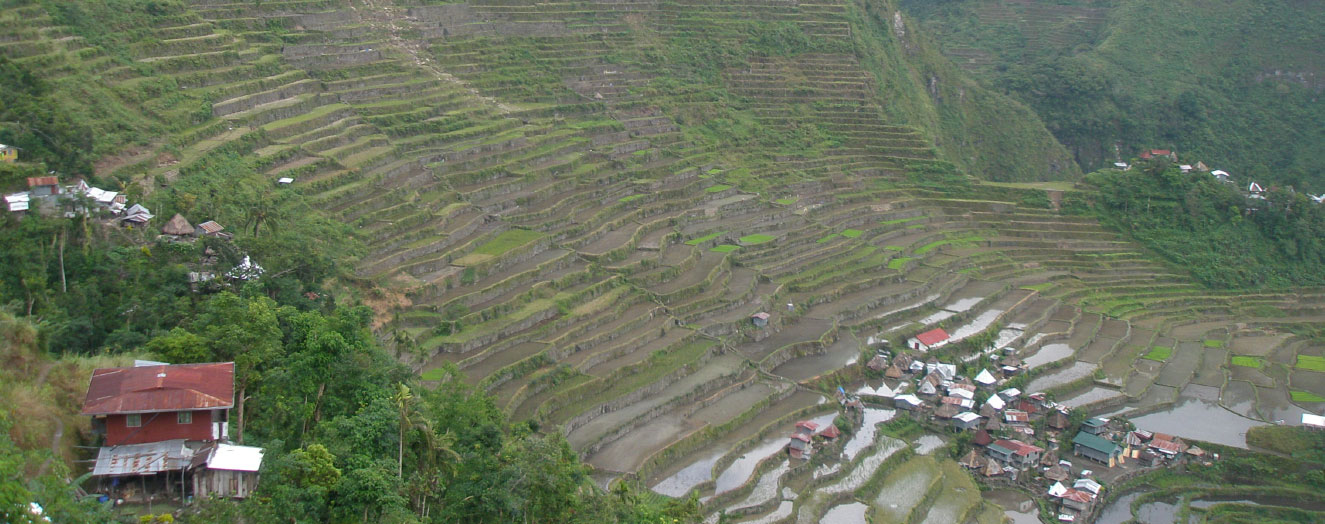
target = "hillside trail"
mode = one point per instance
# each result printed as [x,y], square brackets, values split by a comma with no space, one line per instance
[384,15]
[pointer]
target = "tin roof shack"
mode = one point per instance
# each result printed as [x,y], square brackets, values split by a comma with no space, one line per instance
[759,319]
[1095,426]
[226,470]
[161,402]
[1017,454]
[43,186]
[143,472]
[1097,448]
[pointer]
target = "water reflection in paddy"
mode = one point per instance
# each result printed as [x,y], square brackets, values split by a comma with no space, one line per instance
[1201,420]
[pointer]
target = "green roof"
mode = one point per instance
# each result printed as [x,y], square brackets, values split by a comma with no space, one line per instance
[1096,443]
[1095,422]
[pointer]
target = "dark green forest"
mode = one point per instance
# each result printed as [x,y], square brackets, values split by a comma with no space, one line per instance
[1214,229]
[1235,84]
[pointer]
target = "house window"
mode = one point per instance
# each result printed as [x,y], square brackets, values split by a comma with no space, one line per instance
[133,421]
[184,417]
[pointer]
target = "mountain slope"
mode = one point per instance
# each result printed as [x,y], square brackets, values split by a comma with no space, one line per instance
[1236,84]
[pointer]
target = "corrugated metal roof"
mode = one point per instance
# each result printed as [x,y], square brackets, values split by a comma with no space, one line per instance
[43,181]
[235,458]
[210,227]
[160,388]
[142,459]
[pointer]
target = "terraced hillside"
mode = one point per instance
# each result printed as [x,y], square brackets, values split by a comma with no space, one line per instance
[581,204]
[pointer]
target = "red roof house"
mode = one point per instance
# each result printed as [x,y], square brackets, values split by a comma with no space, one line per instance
[831,432]
[161,402]
[928,340]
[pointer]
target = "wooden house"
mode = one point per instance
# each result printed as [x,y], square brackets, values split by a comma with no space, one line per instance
[43,186]
[1018,454]
[162,402]
[8,153]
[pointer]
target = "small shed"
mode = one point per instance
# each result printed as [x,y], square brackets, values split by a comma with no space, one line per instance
[226,470]
[178,226]
[830,433]
[966,421]
[799,447]
[1094,426]
[43,186]
[928,340]
[985,378]
[879,363]
[759,319]
[212,229]
[1219,174]
[8,153]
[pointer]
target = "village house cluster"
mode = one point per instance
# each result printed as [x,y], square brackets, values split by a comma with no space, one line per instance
[1254,191]
[1009,427]
[165,433]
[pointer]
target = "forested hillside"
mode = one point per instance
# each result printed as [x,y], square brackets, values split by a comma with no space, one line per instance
[1237,84]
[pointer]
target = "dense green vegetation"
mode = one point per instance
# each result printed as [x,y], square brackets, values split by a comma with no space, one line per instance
[1234,83]
[1213,229]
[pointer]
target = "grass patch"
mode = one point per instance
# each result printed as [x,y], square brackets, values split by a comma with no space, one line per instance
[1213,343]
[894,248]
[1041,287]
[1311,363]
[900,220]
[434,374]
[852,233]
[785,201]
[1285,439]
[755,239]
[630,198]
[955,241]
[1305,396]
[827,238]
[724,248]
[1246,362]
[717,188]
[508,240]
[703,239]
[897,263]
[1158,353]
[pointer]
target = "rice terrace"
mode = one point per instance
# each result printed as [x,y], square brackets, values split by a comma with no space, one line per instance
[757,261]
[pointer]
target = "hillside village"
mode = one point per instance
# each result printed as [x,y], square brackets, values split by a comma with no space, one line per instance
[756,263]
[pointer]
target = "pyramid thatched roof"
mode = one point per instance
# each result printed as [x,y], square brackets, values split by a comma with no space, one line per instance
[177,226]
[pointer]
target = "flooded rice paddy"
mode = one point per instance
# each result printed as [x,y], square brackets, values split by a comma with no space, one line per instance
[864,437]
[1048,354]
[853,513]
[1200,419]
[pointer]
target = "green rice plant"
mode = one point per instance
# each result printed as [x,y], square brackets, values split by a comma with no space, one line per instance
[724,248]
[898,263]
[1305,396]
[852,233]
[508,240]
[630,198]
[1311,363]
[757,238]
[717,188]
[1158,353]
[828,238]
[703,239]
[1246,362]
[785,201]
[1213,343]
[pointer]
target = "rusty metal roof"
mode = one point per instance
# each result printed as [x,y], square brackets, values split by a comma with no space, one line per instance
[142,459]
[160,388]
[210,227]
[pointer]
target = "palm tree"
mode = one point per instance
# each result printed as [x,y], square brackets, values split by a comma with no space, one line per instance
[405,403]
